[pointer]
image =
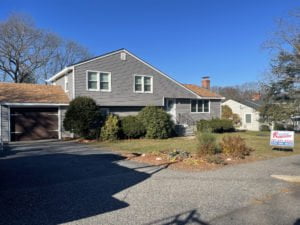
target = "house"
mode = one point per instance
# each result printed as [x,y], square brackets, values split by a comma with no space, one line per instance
[119,82]
[248,112]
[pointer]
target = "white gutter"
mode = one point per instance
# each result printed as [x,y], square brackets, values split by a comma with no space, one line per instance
[59,74]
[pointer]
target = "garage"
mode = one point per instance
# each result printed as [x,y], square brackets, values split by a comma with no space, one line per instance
[33,124]
[31,112]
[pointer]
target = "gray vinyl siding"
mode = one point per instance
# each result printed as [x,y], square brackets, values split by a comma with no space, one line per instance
[183,107]
[122,82]
[61,82]
[4,123]
[125,111]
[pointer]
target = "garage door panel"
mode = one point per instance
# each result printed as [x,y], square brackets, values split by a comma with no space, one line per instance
[34,124]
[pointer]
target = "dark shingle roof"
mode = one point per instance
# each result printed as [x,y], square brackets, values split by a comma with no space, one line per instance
[253,104]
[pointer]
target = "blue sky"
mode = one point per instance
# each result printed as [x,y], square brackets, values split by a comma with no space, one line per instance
[186,39]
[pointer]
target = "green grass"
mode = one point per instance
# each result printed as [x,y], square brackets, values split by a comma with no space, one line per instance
[257,140]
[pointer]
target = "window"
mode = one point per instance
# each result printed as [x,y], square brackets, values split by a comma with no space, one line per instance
[98,81]
[138,84]
[194,106]
[105,81]
[200,106]
[66,83]
[143,84]
[248,118]
[92,80]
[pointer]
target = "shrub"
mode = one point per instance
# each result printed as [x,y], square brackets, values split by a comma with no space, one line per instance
[264,128]
[111,129]
[83,117]
[234,146]
[132,127]
[204,126]
[290,127]
[229,115]
[215,159]
[206,144]
[157,122]
[279,126]
[215,125]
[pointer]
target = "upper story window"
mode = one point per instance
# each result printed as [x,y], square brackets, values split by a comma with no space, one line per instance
[104,81]
[143,84]
[200,106]
[98,81]
[66,83]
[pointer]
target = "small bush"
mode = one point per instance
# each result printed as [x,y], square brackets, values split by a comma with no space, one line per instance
[264,128]
[206,144]
[111,129]
[157,122]
[215,125]
[83,117]
[234,146]
[178,155]
[204,126]
[290,127]
[279,126]
[132,127]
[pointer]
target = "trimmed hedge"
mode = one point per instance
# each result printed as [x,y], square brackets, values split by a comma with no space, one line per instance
[157,122]
[264,128]
[83,118]
[215,125]
[132,127]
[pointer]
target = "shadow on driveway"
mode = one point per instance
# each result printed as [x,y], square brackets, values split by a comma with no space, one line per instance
[58,188]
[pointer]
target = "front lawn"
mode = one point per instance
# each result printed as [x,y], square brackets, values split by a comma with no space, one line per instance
[259,141]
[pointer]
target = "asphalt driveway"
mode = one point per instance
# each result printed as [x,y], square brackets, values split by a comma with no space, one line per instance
[66,182]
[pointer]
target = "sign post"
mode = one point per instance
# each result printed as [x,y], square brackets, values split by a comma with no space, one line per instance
[282,139]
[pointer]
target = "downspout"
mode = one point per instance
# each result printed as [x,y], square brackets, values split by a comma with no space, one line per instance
[59,123]
[73,75]
[1,141]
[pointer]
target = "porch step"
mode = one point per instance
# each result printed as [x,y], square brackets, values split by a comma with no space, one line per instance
[182,130]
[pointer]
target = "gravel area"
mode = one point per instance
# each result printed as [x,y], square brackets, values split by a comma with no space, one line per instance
[66,182]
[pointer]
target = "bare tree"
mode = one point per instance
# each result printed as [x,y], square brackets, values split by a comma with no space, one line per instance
[30,54]
[243,91]
[67,53]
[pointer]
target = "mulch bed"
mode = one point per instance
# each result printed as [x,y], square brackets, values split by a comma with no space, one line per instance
[192,163]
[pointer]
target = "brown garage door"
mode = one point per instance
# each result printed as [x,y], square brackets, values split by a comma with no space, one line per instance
[33,124]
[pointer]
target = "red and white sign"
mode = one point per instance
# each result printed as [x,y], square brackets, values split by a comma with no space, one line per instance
[282,138]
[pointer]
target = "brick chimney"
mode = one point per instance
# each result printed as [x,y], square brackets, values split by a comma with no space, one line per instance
[205,83]
[256,97]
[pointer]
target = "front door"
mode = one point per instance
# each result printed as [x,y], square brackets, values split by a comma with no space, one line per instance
[171,108]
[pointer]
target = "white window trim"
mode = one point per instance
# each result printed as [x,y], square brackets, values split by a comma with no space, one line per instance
[109,82]
[143,76]
[66,82]
[197,100]
[98,81]
[246,118]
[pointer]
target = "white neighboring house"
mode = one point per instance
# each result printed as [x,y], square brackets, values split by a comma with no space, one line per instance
[248,112]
